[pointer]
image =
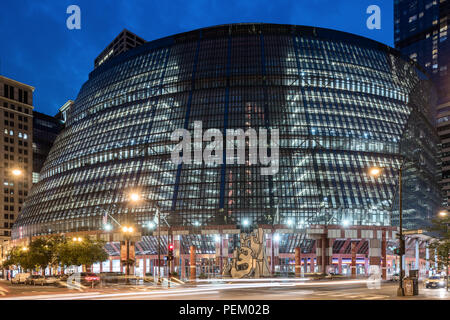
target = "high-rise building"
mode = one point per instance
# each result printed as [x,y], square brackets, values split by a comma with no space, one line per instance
[420,32]
[125,41]
[16,163]
[45,130]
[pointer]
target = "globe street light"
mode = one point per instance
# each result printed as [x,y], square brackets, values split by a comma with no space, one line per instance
[443,213]
[16,172]
[375,171]
[135,197]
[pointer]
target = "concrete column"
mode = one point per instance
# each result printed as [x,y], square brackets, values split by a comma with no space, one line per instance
[417,251]
[427,258]
[329,254]
[375,252]
[324,253]
[144,266]
[319,252]
[383,256]
[224,257]
[353,265]
[340,264]
[110,264]
[323,262]
[176,252]
[298,262]
[192,263]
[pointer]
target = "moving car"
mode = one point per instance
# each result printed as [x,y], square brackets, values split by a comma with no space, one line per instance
[20,278]
[89,279]
[112,277]
[435,282]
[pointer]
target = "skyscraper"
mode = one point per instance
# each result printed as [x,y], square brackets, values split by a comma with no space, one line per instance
[125,41]
[16,117]
[421,34]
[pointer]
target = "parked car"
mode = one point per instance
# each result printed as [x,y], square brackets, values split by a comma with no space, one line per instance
[20,278]
[51,280]
[35,280]
[435,282]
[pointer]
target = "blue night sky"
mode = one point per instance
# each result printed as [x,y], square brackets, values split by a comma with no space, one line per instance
[39,50]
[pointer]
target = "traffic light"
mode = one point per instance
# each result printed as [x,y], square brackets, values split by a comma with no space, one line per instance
[400,250]
[170,252]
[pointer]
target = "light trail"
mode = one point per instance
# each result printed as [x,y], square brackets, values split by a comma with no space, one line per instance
[200,289]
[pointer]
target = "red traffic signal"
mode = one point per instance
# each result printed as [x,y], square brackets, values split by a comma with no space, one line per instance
[170,247]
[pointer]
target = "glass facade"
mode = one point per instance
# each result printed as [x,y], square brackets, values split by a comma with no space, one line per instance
[342,104]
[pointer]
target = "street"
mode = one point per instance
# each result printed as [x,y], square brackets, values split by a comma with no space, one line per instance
[267,289]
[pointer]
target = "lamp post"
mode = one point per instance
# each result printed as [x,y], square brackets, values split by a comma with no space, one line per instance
[134,197]
[375,172]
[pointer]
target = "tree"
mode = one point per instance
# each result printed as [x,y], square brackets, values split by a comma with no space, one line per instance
[85,252]
[40,253]
[18,256]
[441,245]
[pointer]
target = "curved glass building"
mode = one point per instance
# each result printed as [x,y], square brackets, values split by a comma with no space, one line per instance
[341,103]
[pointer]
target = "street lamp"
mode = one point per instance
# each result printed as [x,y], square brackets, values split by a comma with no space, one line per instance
[135,197]
[16,172]
[375,172]
[443,213]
